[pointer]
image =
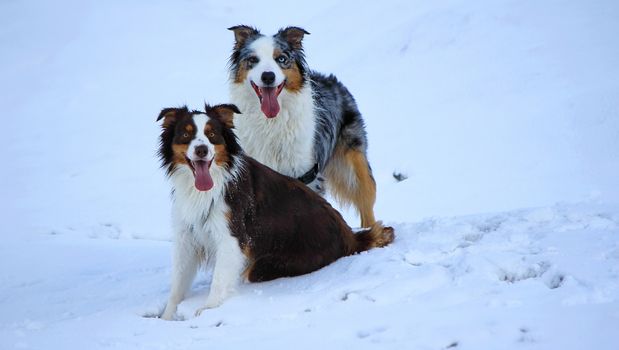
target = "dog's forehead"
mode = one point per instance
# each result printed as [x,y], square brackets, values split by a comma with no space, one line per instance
[205,124]
[263,46]
[185,123]
[193,123]
[247,49]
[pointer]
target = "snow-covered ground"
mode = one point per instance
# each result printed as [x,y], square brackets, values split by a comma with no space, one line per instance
[540,279]
[486,106]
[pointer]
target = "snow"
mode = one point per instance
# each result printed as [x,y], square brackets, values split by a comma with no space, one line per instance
[540,278]
[486,107]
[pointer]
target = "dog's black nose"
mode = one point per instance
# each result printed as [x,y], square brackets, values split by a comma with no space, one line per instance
[268,77]
[201,151]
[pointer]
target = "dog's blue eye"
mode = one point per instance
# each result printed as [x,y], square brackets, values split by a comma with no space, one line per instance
[185,135]
[282,59]
[253,60]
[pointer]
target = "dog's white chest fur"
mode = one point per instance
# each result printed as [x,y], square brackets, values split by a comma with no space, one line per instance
[203,214]
[194,208]
[205,221]
[284,143]
[202,233]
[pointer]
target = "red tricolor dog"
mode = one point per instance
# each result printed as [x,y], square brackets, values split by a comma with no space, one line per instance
[246,219]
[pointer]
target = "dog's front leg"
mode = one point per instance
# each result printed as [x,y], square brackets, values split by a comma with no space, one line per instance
[184,267]
[229,265]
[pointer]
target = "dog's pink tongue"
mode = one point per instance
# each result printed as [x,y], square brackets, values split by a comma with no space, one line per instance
[270,106]
[204,181]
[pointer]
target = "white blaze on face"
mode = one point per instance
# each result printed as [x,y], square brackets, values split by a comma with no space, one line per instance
[200,139]
[268,93]
[263,48]
[201,165]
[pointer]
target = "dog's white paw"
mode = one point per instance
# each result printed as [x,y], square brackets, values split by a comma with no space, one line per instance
[168,314]
[210,305]
[214,302]
[199,311]
[167,317]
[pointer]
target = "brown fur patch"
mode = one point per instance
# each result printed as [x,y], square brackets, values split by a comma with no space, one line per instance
[294,36]
[247,251]
[241,34]
[189,128]
[248,254]
[294,80]
[221,155]
[180,152]
[225,113]
[382,235]
[241,73]
[376,236]
[350,180]
[169,116]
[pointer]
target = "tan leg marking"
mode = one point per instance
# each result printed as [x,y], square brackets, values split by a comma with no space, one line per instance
[351,182]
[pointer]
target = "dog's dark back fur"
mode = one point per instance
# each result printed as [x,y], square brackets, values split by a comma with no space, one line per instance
[289,229]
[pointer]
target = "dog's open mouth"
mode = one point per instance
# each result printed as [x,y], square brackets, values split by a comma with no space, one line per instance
[201,173]
[268,98]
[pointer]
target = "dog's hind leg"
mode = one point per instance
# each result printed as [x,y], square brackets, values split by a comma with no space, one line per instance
[270,267]
[266,268]
[350,180]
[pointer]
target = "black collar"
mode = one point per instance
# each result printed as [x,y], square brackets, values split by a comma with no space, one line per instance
[310,175]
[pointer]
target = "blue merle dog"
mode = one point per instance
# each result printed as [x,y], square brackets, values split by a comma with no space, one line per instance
[299,122]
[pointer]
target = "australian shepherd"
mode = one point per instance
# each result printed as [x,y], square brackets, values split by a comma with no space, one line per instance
[248,221]
[299,122]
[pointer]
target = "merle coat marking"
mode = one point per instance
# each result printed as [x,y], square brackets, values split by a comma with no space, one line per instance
[295,119]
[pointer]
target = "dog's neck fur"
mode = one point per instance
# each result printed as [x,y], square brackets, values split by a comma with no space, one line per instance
[191,206]
[280,143]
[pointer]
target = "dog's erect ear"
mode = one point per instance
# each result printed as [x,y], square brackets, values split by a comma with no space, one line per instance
[223,112]
[242,33]
[171,115]
[293,35]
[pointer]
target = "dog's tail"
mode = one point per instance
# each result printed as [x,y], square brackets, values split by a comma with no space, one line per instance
[375,237]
